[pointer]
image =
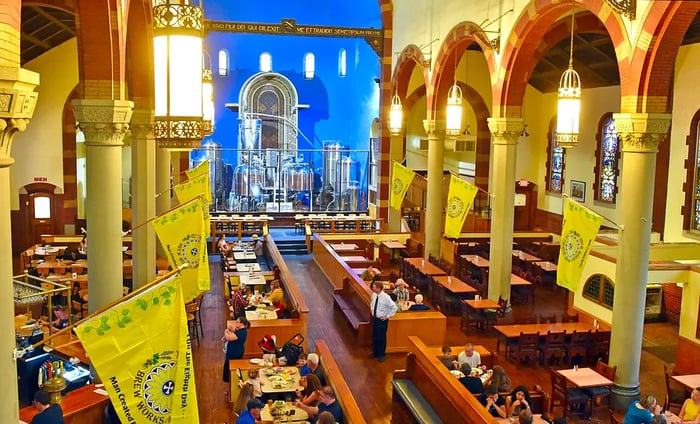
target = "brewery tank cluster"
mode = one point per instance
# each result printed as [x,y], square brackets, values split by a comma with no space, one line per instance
[340,178]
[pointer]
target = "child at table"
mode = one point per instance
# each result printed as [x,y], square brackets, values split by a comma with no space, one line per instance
[304,368]
[253,380]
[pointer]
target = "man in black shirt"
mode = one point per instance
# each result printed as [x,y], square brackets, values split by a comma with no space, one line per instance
[49,414]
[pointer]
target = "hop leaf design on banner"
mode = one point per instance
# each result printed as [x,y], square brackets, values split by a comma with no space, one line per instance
[401,178]
[579,230]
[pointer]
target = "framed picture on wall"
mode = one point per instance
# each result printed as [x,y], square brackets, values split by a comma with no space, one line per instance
[578,190]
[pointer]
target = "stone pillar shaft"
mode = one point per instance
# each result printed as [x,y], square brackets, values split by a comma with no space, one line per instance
[143,165]
[640,135]
[433,207]
[104,123]
[17,103]
[504,138]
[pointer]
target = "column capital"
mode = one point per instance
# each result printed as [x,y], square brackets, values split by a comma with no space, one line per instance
[505,130]
[17,103]
[642,132]
[104,122]
[434,128]
[142,125]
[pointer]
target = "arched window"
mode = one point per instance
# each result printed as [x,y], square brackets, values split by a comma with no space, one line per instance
[265,62]
[555,162]
[606,170]
[342,63]
[223,63]
[691,210]
[599,289]
[309,65]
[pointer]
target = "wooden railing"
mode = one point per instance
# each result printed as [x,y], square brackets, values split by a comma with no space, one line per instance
[334,377]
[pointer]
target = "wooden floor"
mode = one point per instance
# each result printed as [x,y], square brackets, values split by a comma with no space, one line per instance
[369,380]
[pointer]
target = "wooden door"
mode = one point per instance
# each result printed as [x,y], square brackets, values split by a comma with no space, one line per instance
[41,215]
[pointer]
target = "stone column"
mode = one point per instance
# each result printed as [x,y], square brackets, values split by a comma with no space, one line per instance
[504,138]
[104,123]
[17,102]
[433,207]
[143,166]
[640,134]
[162,188]
[395,152]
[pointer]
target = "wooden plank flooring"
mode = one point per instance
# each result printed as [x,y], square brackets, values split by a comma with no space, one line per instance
[369,380]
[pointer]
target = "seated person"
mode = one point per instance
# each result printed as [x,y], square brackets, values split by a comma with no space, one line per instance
[499,378]
[642,411]
[490,399]
[370,273]
[276,297]
[252,412]
[690,411]
[473,384]
[48,413]
[239,301]
[401,290]
[62,320]
[257,245]
[468,359]
[73,254]
[519,401]
[304,368]
[327,402]
[419,305]
[525,417]
[224,247]
[447,357]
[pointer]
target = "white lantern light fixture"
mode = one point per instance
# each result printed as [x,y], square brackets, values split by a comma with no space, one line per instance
[453,123]
[177,66]
[569,101]
[395,116]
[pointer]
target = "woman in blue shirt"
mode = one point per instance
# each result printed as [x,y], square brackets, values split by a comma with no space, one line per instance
[642,411]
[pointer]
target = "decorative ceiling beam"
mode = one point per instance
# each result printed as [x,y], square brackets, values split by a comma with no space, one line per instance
[624,7]
[34,40]
[53,20]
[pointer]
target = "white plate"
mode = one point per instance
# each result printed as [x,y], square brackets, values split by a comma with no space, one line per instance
[457,373]
[256,361]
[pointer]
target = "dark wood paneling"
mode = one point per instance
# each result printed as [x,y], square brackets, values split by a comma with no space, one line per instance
[687,356]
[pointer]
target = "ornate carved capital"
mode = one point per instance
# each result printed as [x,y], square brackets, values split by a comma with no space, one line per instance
[142,125]
[642,132]
[434,129]
[505,130]
[104,122]
[17,103]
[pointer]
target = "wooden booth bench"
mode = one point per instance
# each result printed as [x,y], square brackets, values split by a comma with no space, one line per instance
[297,310]
[334,378]
[352,297]
[426,392]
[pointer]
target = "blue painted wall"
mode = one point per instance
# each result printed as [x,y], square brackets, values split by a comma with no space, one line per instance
[340,108]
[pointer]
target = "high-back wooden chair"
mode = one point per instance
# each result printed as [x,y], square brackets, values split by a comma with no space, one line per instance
[597,394]
[554,347]
[577,349]
[675,391]
[572,400]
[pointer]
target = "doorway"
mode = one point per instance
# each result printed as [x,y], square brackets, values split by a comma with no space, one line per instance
[41,205]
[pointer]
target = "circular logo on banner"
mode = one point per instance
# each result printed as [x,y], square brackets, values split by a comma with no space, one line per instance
[573,245]
[159,386]
[397,186]
[455,207]
[188,250]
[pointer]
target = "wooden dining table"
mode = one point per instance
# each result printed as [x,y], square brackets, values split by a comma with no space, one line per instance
[455,285]
[584,378]
[425,267]
[343,247]
[525,256]
[690,381]
[477,260]
[546,266]
[287,413]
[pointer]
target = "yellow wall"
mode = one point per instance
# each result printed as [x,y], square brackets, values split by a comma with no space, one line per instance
[39,150]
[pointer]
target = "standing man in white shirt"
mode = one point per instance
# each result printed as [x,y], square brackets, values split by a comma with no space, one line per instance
[382,308]
[470,357]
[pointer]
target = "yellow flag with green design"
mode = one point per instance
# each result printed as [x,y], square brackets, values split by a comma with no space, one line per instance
[201,168]
[459,200]
[401,178]
[579,229]
[182,234]
[141,350]
[194,187]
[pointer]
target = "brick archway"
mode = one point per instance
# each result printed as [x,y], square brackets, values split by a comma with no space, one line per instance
[519,50]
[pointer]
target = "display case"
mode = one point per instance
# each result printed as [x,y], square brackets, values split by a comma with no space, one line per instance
[652,307]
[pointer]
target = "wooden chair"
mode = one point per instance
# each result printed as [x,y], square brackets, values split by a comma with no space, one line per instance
[578,347]
[573,401]
[191,309]
[599,346]
[471,318]
[597,394]
[527,347]
[554,347]
[675,391]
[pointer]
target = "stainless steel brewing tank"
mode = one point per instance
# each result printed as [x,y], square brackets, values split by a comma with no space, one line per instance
[297,177]
[350,198]
[249,132]
[332,152]
[347,170]
[248,180]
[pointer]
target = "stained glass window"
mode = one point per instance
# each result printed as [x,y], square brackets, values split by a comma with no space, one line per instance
[607,162]
[555,166]
[599,289]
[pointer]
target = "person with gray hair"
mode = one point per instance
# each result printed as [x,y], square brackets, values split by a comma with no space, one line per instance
[642,411]
[313,361]
[419,305]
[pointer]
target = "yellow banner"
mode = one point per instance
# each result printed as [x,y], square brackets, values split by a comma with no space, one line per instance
[194,187]
[459,200]
[182,234]
[579,229]
[197,171]
[141,350]
[401,178]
